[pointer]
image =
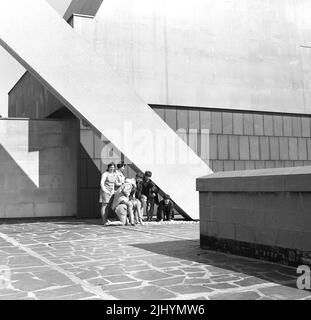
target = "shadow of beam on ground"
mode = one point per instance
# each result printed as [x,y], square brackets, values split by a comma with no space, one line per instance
[215,263]
[220,263]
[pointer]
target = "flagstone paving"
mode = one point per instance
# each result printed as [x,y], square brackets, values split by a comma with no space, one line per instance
[75,259]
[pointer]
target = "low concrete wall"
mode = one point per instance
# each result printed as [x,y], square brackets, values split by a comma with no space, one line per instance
[263,214]
[38,168]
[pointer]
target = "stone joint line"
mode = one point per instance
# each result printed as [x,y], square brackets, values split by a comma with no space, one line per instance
[84,284]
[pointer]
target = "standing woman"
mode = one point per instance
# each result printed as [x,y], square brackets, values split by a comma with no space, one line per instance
[107,186]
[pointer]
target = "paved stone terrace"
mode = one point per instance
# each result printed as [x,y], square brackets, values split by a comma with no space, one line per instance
[75,259]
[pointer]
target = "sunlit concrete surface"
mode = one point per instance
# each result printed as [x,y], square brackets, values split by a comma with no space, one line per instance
[72,259]
[80,78]
[224,54]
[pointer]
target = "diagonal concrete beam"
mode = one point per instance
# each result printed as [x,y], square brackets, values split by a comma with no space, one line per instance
[84,7]
[80,78]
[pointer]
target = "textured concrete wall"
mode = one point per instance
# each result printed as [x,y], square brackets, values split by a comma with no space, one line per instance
[234,141]
[30,99]
[243,140]
[269,208]
[219,54]
[237,140]
[233,54]
[56,144]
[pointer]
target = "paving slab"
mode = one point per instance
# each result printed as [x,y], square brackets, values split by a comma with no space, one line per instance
[82,260]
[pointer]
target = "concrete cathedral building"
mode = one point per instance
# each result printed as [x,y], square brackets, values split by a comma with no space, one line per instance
[231,78]
[211,96]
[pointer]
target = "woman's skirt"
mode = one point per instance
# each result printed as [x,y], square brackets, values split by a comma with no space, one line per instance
[105,197]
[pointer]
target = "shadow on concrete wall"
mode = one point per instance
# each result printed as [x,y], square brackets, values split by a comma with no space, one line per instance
[38,168]
[15,187]
[89,186]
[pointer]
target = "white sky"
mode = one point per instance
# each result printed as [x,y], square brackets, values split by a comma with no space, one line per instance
[11,70]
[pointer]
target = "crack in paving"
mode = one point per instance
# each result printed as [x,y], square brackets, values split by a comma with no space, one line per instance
[84,284]
[215,292]
[209,295]
[180,276]
[158,234]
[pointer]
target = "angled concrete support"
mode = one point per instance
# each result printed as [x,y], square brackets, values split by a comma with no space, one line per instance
[84,7]
[80,78]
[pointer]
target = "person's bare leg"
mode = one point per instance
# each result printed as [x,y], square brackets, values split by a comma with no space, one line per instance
[121,212]
[130,212]
[144,207]
[135,212]
[139,212]
[104,213]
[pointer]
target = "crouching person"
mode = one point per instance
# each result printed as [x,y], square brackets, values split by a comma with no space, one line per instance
[166,209]
[122,205]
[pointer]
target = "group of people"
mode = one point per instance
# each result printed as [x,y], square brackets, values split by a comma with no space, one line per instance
[129,200]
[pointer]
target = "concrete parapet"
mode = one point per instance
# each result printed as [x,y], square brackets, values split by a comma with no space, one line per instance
[258,213]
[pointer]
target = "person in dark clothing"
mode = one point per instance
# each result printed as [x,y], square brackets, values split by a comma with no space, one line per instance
[150,192]
[139,195]
[166,209]
[139,185]
[147,184]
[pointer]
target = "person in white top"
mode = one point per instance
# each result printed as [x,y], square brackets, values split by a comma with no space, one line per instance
[107,189]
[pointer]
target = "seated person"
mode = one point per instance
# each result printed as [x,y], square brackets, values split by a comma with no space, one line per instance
[166,209]
[137,206]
